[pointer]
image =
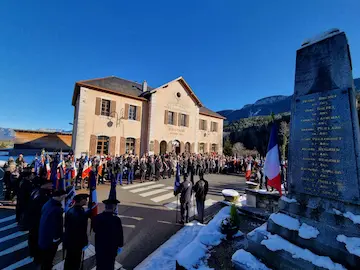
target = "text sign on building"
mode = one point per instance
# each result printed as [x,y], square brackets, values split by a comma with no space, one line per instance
[324,164]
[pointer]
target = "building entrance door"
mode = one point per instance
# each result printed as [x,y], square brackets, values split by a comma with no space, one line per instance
[176,146]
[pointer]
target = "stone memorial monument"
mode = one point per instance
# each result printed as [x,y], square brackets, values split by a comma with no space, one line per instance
[318,225]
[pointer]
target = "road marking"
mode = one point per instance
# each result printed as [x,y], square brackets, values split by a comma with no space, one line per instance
[163,197]
[117,266]
[7,218]
[13,225]
[89,252]
[138,185]
[153,192]
[172,205]
[136,218]
[19,264]
[14,248]
[128,226]
[146,188]
[12,236]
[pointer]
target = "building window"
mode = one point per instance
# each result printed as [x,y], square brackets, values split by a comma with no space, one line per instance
[132,112]
[102,145]
[170,118]
[130,146]
[183,120]
[105,107]
[213,147]
[202,124]
[213,126]
[201,148]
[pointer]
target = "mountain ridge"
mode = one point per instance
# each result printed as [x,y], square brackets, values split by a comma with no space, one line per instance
[265,106]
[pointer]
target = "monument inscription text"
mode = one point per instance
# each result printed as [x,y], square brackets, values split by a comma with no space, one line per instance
[324,140]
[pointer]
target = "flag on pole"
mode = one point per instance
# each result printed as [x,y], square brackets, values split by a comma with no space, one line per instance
[87,168]
[48,169]
[248,170]
[93,203]
[54,173]
[100,168]
[177,177]
[272,162]
[73,171]
[69,200]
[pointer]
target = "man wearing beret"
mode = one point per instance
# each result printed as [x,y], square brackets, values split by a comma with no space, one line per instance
[109,237]
[75,236]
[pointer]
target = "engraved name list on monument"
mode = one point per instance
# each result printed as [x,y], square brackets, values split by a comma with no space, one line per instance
[325,146]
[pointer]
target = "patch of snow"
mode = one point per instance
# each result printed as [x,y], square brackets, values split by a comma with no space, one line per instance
[238,234]
[230,192]
[247,260]
[251,183]
[285,221]
[164,256]
[288,200]
[352,244]
[275,243]
[349,215]
[354,218]
[194,254]
[262,228]
[307,231]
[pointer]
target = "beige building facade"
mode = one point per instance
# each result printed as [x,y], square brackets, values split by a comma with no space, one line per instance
[116,116]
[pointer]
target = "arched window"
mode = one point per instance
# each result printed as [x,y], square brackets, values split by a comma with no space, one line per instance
[163,146]
[102,145]
[130,146]
[201,148]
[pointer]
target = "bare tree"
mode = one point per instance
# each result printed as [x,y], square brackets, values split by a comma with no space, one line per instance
[238,148]
[284,131]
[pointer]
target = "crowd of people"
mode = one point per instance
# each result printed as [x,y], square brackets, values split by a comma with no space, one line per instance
[42,187]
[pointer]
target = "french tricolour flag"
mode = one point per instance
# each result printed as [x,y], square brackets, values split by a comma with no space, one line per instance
[248,170]
[272,162]
[87,168]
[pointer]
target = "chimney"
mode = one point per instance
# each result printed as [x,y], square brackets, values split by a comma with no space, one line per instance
[144,86]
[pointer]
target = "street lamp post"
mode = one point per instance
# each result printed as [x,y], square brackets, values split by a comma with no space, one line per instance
[118,118]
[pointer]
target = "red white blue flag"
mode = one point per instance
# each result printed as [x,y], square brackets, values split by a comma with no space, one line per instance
[272,162]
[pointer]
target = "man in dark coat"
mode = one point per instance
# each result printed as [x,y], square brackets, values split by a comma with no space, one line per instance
[185,190]
[119,168]
[109,238]
[201,189]
[51,229]
[38,198]
[152,169]
[75,236]
[23,199]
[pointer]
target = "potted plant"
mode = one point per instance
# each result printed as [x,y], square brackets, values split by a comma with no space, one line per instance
[230,225]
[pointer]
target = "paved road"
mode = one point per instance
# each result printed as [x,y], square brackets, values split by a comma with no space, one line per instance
[148,215]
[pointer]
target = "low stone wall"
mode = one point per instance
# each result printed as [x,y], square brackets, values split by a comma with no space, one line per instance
[264,200]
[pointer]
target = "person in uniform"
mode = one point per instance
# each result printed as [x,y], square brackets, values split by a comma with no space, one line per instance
[201,189]
[119,170]
[143,168]
[109,238]
[39,196]
[185,190]
[51,229]
[131,166]
[75,236]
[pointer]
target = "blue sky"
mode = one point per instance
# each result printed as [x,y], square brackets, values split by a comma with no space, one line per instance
[230,52]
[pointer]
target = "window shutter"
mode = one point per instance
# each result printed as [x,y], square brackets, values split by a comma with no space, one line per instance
[200,124]
[138,113]
[97,106]
[92,146]
[179,119]
[112,143]
[137,147]
[175,118]
[166,117]
[113,108]
[187,120]
[122,146]
[216,126]
[126,114]
[205,125]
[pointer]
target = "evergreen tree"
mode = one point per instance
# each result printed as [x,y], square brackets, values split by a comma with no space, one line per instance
[227,147]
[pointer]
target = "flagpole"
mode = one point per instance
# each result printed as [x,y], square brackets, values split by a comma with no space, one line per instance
[177,206]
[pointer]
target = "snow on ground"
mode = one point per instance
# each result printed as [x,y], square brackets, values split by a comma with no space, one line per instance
[307,231]
[288,200]
[259,229]
[164,256]
[352,244]
[251,183]
[194,254]
[349,215]
[275,243]
[248,260]
[286,221]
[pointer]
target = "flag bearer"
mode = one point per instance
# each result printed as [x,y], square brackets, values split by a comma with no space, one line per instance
[75,236]
[109,237]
